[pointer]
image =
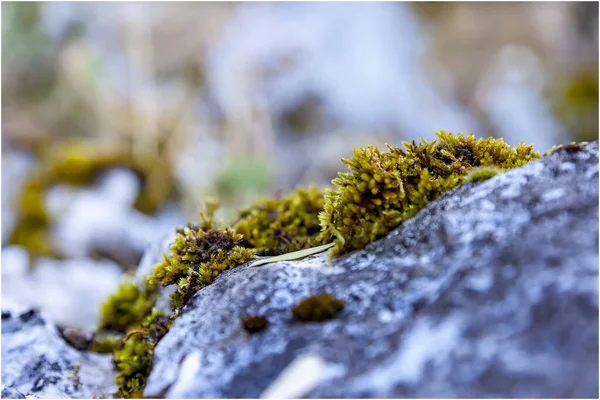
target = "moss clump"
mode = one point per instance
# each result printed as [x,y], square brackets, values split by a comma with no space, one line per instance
[318,308]
[481,174]
[254,324]
[105,344]
[198,255]
[277,226]
[384,188]
[134,360]
[128,307]
[572,147]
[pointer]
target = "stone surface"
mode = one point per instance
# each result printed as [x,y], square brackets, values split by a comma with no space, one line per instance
[38,363]
[69,291]
[490,291]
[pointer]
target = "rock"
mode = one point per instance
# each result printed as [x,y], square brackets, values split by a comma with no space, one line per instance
[489,291]
[37,362]
[69,291]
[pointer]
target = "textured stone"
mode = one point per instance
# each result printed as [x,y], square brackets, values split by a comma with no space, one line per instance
[37,362]
[490,291]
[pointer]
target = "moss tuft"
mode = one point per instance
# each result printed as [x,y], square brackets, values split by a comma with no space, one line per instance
[198,255]
[105,344]
[277,226]
[481,174]
[384,188]
[318,308]
[128,307]
[254,324]
[134,359]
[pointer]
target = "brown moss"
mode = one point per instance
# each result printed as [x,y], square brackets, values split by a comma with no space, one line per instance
[255,323]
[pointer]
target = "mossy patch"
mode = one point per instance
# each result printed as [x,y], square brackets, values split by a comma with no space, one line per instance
[318,308]
[255,323]
[134,359]
[384,188]
[481,174]
[198,255]
[282,225]
[128,307]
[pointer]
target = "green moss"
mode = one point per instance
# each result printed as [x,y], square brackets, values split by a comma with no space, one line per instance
[134,360]
[576,105]
[290,223]
[384,188]
[381,190]
[572,147]
[318,308]
[481,174]
[198,255]
[105,344]
[128,307]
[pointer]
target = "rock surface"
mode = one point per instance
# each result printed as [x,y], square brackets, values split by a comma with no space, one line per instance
[490,291]
[38,363]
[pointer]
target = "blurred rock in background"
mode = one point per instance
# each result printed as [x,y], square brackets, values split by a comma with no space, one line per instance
[234,100]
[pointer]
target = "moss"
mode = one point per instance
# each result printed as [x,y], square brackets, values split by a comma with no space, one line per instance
[318,308]
[134,360]
[198,255]
[128,307]
[572,147]
[290,223]
[481,174]
[255,323]
[381,190]
[78,164]
[576,105]
[105,344]
[384,188]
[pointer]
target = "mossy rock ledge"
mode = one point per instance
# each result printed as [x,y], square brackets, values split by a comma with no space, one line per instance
[491,290]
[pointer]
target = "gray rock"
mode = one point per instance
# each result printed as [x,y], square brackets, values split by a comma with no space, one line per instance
[490,291]
[37,362]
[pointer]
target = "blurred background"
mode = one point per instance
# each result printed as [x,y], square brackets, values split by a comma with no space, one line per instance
[120,119]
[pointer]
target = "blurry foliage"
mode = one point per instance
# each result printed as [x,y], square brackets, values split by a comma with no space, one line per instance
[244,175]
[577,106]
[79,164]
[27,52]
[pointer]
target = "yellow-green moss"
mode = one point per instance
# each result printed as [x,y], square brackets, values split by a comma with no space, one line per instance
[481,174]
[576,105]
[134,359]
[290,223]
[128,307]
[381,190]
[318,308]
[384,188]
[198,255]
[104,344]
